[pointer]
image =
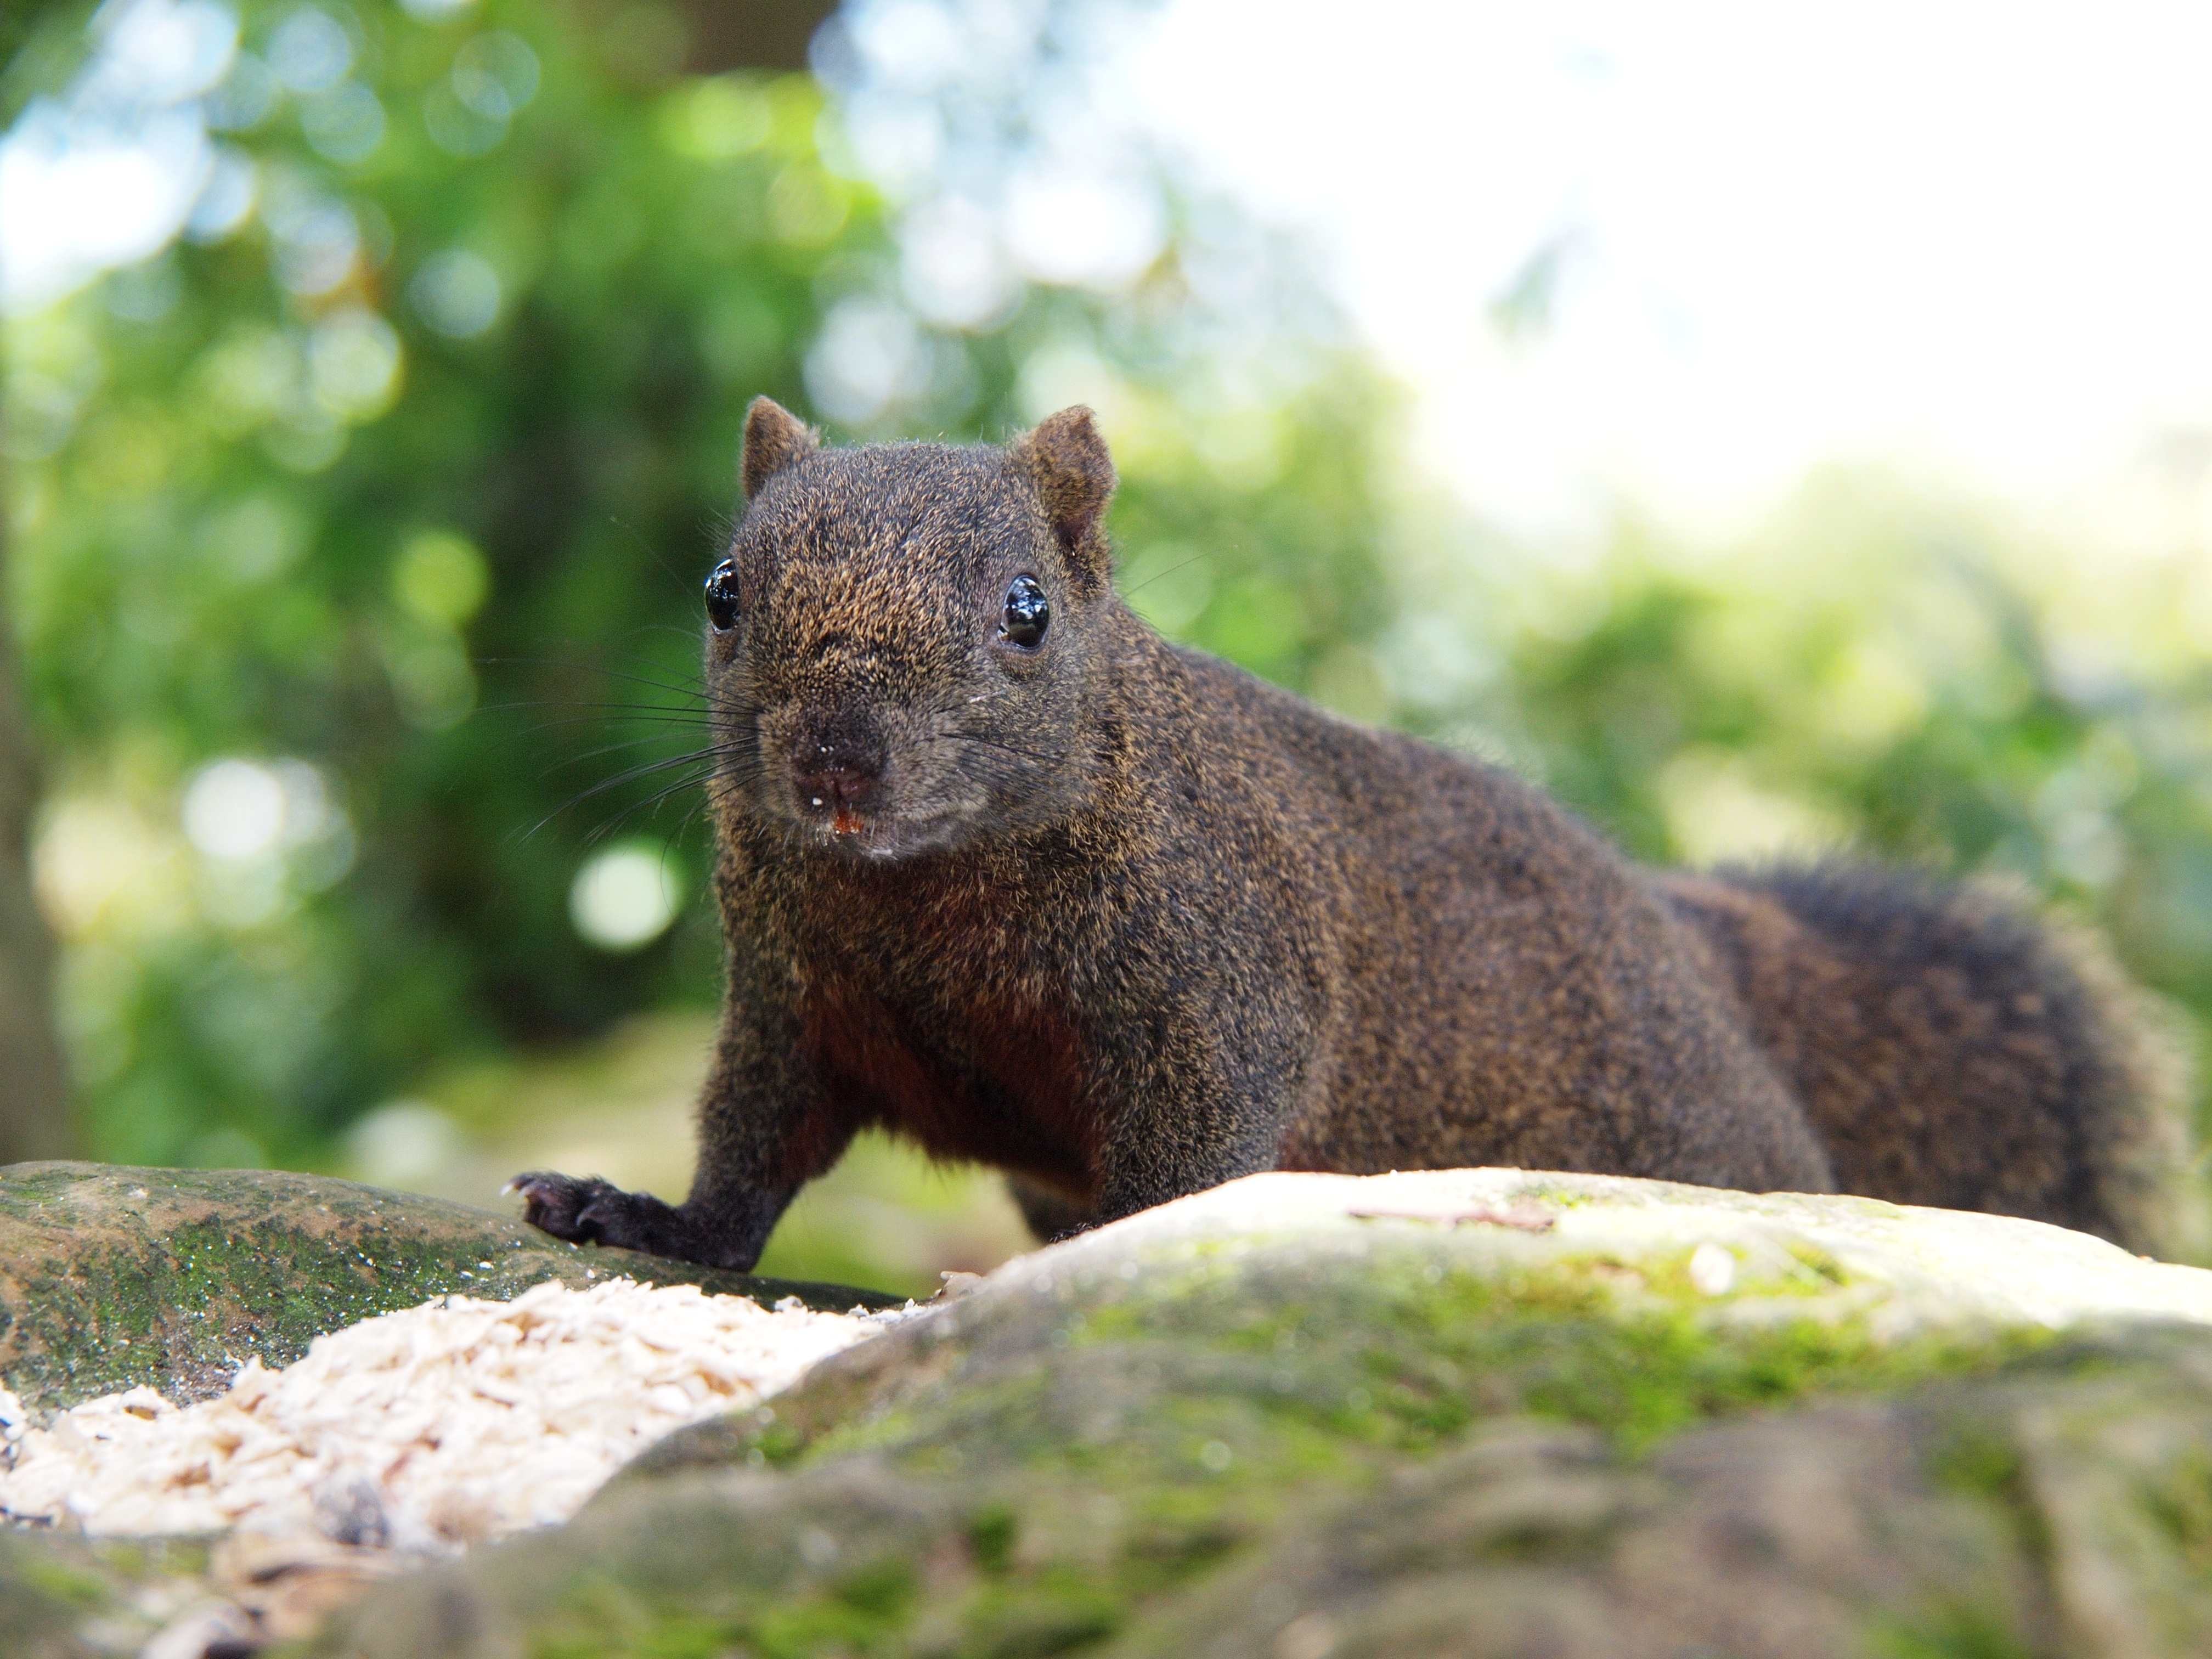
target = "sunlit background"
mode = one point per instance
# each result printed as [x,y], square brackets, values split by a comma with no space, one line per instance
[1773,428]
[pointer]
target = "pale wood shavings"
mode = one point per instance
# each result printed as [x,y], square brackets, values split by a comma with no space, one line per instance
[440,1425]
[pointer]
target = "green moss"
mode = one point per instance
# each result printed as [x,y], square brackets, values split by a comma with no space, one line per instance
[915,1431]
[1058,1611]
[1950,1633]
[2178,1500]
[1823,1268]
[1430,1345]
[778,1443]
[673,1637]
[1555,1198]
[72,1586]
[991,1536]
[883,1590]
[1979,1459]
[66,1596]
[861,1617]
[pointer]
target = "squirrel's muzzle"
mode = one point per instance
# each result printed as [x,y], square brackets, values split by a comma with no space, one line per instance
[837,774]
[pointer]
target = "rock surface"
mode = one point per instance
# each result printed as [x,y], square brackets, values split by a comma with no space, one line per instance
[1301,1417]
[1479,1412]
[113,1277]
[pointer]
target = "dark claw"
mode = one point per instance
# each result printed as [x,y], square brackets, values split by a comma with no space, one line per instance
[578,1210]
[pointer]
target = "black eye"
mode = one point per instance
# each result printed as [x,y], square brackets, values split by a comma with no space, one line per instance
[722,596]
[1028,611]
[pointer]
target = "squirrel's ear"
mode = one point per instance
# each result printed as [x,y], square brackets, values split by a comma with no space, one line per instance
[1066,459]
[775,438]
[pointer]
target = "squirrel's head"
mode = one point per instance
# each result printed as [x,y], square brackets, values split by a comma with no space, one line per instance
[903,636]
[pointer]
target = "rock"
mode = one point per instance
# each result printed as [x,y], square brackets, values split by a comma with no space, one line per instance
[113,1277]
[1475,1412]
[1941,1523]
[63,1597]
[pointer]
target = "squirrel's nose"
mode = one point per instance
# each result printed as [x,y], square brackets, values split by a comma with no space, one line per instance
[835,776]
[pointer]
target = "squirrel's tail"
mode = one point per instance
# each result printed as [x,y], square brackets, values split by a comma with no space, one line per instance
[1953,1049]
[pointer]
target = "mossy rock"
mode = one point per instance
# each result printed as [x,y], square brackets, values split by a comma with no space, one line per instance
[65,1597]
[1480,1413]
[2058,1507]
[113,1277]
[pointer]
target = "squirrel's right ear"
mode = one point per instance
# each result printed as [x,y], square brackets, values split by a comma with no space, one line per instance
[1066,459]
[775,438]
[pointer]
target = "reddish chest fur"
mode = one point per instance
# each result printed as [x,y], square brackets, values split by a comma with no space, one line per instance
[954,1042]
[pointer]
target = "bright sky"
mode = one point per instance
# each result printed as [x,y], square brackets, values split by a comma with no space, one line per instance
[1973,236]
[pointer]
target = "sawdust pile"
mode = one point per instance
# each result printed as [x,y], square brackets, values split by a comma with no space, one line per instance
[438,1426]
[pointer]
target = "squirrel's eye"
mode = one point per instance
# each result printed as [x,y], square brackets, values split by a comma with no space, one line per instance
[1028,611]
[722,596]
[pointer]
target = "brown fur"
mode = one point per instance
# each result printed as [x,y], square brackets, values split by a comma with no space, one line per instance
[1950,1051]
[1127,922]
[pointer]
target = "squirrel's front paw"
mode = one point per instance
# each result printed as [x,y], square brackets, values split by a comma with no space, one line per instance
[581,1212]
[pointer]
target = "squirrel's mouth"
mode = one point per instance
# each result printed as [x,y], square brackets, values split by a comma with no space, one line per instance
[851,832]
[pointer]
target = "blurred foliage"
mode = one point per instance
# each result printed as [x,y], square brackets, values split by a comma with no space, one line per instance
[307,500]
[395,479]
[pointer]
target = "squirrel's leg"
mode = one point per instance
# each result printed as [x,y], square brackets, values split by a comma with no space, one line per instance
[1208,1106]
[765,1128]
[1049,1212]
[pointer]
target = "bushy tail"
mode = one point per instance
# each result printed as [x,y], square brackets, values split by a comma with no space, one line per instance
[2147,1169]
[1953,1050]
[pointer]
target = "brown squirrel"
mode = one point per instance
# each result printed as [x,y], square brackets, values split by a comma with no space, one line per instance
[1003,871]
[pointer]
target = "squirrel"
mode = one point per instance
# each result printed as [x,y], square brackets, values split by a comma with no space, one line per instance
[1005,872]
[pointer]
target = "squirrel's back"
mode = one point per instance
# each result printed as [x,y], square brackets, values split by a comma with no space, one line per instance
[1948,1046]
[1497,984]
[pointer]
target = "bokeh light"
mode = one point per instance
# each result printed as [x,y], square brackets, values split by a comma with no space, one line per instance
[626,895]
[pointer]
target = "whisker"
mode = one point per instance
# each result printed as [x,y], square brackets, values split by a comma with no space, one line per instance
[653,801]
[604,750]
[711,757]
[604,706]
[992,743]
[650,768]
[649,550]
[673,688]
[672,727]
[1184,565]
[600,832]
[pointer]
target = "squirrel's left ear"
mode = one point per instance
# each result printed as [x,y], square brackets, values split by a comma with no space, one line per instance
[1065,458]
